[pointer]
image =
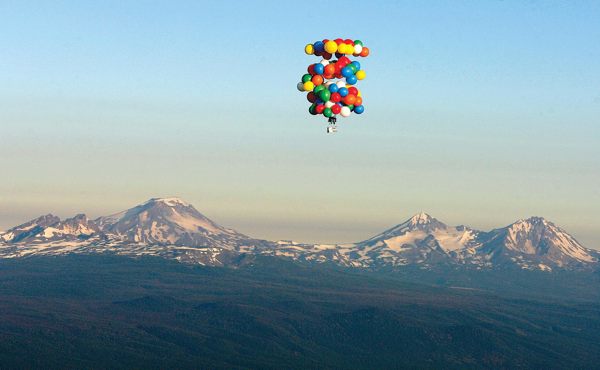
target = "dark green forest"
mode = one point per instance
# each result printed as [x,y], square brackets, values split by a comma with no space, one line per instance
[115,312]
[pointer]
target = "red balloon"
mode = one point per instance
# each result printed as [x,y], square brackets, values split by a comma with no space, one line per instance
[338,41]
[320,108]
[344,60]
[336,109]
[351,90]
[311,97]
[349,42]
[326,56]
[311,69]
[335,97]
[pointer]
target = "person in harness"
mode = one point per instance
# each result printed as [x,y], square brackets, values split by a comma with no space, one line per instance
[332,128]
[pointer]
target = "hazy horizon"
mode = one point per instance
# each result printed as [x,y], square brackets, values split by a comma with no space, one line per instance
[476,113]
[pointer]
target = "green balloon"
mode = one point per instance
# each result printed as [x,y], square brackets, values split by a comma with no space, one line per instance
[327,112]
[358,42]
[311,109]
[306,78]
[318,89]
[353,68]
[351,107]
[324,95]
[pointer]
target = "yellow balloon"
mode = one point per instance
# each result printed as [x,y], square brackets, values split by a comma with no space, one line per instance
[360,75]
[331,47]
[309,86]
[341,48]
[309,49]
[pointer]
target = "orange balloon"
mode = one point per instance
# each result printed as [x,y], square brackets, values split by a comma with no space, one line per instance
[317,80]
[350,99]
[364,52]
[329,69]
[358,101]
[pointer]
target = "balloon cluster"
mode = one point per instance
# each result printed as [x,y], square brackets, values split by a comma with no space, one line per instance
[330,83]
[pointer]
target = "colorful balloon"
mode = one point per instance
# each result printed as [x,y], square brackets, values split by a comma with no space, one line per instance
[347,72]
[329,84]
[317,80]
[324,95]
[331,46]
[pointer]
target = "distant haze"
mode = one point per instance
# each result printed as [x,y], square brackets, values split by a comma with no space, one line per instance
[476,112]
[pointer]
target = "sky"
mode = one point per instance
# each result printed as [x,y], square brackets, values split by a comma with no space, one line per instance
[476,112]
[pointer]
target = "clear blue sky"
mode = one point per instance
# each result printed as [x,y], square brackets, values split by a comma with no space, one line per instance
[477,112]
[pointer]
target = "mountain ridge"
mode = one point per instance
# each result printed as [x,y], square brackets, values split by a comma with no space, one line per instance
[173,228]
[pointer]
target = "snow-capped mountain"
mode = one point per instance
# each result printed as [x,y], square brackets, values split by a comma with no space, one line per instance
[422,239]
[167,227]
[29,229]
[169,221]
[172,228]
[535,242]
[427,242]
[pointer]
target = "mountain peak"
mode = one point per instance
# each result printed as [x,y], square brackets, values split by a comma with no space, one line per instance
[539,237]
[421,218]
[423,221]
[419,222]
[167,221]
[534,220]
[170,201]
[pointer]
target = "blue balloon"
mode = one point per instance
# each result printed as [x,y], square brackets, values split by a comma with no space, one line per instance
[343,91]
[333,88]
[319,46]
[359,109]
[351,80]
[319,69]
[356,64]
[347,72]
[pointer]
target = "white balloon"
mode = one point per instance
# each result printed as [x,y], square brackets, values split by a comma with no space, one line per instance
[357,49]
[345,112]
[300,86]
[328,83]
[329,104]
[324,62]
[341,83]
